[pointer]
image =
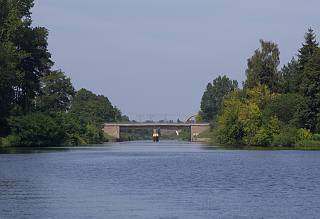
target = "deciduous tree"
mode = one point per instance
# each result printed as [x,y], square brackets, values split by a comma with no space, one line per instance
[56,92]
[213,95]
[263,66]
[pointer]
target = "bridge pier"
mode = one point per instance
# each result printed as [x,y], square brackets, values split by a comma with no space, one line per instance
[198,129]
[112,130]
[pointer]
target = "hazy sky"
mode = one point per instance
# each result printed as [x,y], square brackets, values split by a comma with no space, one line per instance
[156,56]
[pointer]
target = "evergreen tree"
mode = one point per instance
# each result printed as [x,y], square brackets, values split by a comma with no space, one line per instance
[289,81]
[310,87]
[304,55]
[308,48]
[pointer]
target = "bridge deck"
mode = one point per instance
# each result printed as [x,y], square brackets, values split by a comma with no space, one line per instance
[156,124]
[114,129]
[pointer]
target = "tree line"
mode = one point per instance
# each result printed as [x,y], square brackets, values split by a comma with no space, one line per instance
[39,105]
[274,107]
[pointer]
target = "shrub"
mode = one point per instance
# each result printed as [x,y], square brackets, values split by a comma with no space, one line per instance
[287,137]
[72,128]
[11,140]
[304,134]
[309,143]
[316,137]
[54,129]
[285,107]
[262,138]
[36,129]
[93,135]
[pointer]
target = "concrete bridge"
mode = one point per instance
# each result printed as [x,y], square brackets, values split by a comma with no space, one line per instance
[114,129]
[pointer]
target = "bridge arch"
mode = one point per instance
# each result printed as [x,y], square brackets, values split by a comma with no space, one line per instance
[189,118]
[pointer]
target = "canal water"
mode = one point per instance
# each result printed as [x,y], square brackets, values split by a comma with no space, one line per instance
[165,180]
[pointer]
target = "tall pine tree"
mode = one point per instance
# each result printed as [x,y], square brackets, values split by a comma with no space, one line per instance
[308,48]
[305,53]
[310,87]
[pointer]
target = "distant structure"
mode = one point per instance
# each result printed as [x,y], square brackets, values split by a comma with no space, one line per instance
[114,129]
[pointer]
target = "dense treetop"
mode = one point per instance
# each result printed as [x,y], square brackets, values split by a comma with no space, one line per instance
[213,95]
[263,66]
[92,108]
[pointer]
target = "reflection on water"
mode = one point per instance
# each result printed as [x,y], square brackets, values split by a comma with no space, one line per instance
[165,180]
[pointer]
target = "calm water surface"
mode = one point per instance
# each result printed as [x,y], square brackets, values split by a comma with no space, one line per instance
[165,180]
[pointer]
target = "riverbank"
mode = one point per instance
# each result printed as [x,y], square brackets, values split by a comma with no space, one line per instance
[266,148]
[272,148]
[310,145]
[4,144]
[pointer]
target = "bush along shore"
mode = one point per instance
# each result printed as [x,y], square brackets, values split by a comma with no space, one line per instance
[275,108]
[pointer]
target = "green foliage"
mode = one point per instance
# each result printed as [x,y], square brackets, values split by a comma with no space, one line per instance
[136,134]
[93,134]
[263,66]
[250,118]
[286,107]
[258,117]
[308,48]
[230,130]
[293,74]
[8,61]
[316,137]
[286,138]
[24,58]
[266,134]
[8,141]
[241,120]
[310,87]
[185,135]
[289,77]
[259,95]
[124,118]
[304,134]
[37,129]
[213,95]
[56,92]
[52,129]
[274,108]
[309,144]
[32,43]
[199,117]
[92,108]
[72,128]
[28,85]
